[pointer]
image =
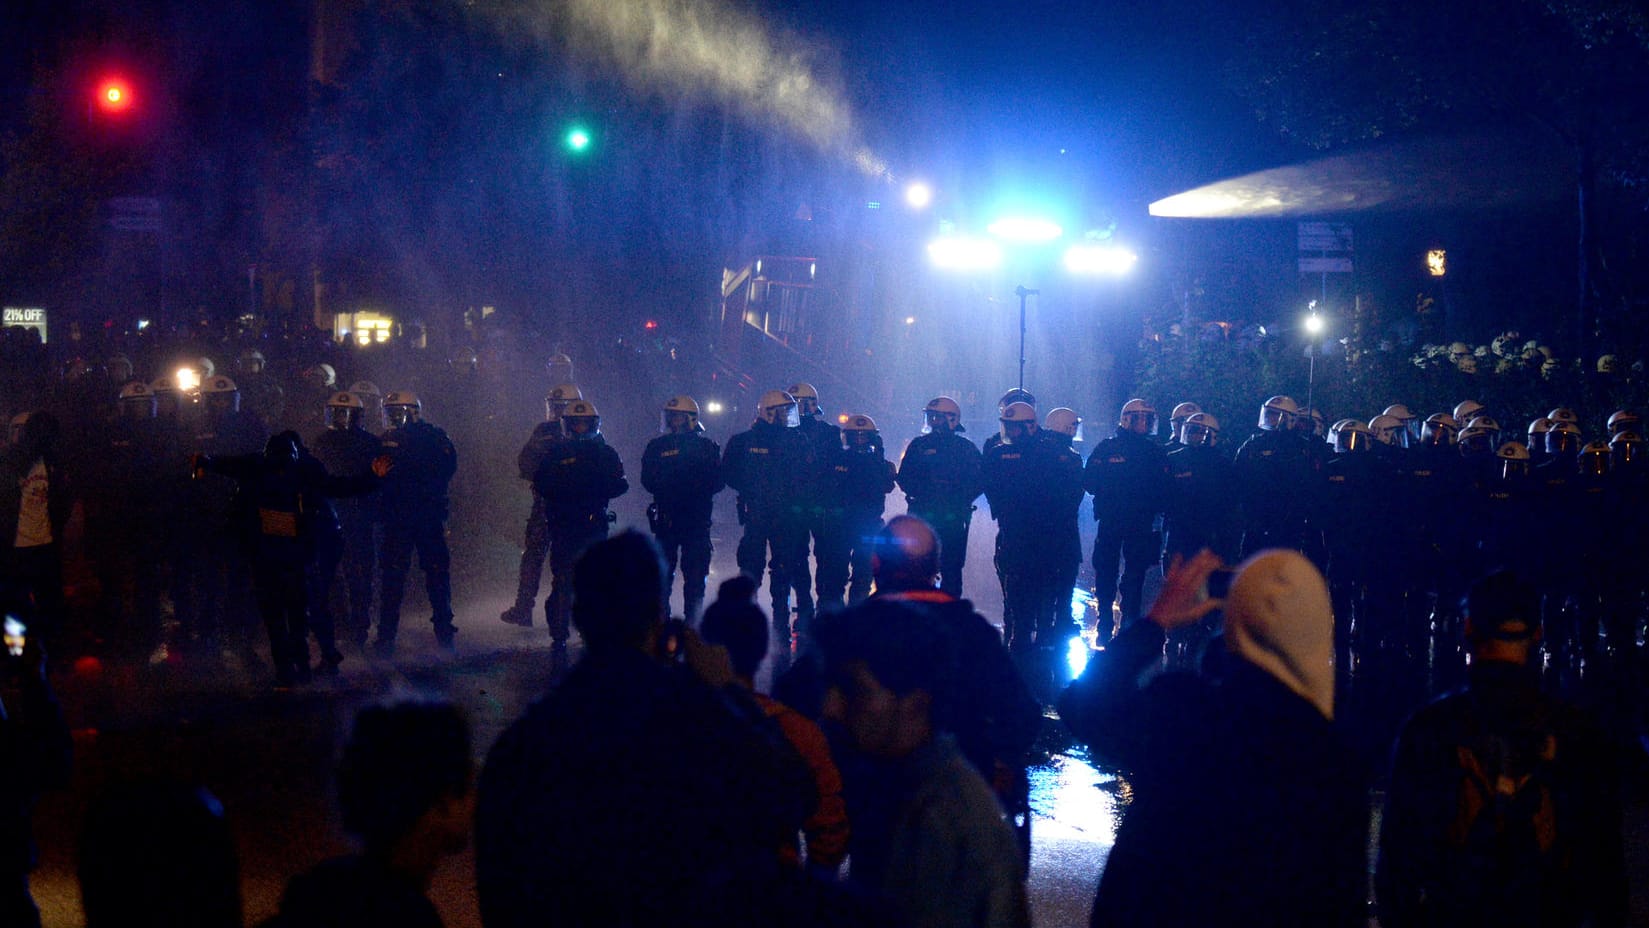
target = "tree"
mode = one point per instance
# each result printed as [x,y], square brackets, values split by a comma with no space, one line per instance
[1332,72]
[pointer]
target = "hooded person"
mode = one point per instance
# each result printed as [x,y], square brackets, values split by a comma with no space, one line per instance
[1249,809]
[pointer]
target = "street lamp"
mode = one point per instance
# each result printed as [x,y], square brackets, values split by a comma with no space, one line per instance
[1314,325]
[918,195]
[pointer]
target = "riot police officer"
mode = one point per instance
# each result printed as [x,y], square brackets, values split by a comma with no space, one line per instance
[211,573]
[1277,469]
[347,449]
[1028,482]
[415,508]
[857,481]
[261,393]
[579,476]
[127,516]
[768,466]
[536,544]
[682,469]
[1200,510]
[824,437]
[939,473]
[1128,477]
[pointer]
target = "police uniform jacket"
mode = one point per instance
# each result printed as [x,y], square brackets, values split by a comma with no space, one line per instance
[1128,476]
[1030,485]
[858,482]
[424,462]
[940,472]
[578,478]
[768,466]
[683,472]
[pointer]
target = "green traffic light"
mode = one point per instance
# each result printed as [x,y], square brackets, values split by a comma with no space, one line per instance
[578,139]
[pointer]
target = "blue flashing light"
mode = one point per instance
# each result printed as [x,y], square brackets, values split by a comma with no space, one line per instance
[1100,260]
[1025,229]
[958,253]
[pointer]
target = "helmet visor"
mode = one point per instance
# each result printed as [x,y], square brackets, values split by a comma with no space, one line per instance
[342,418]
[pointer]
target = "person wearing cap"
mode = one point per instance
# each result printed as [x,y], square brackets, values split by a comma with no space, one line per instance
[939,474]
[1504,806]
[1248,806]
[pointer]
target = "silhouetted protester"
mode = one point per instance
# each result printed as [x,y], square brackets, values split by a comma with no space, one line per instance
[934,844]
[991,710]
[1248,808]
[735,622]
[35,756]
[35,499]
[637,792]
[284,495]
[1504,806]
[159,854]
[404,789]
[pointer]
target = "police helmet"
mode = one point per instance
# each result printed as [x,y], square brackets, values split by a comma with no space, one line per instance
[1201,428]
[1384,428]
[555,402]
[1627,448]
[581,419]
[776,407]
[1563,414]
[1467,410]
[344,410]
[807,398]
[943,411]
[1351,435]
[402,407]
[1594,458]
[1277,412]
[682,406]
[1624,420]
[1064,421]
[1440,429]
[1138,416]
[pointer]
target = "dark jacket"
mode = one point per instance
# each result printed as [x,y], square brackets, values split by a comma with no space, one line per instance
[287,510]
[769,466]
[577,478]
[856,483]
[683,472]
[1128,476]
[1248,809]
[633,795]
[940,473]
[1031,487]
[1431,870]
[416,488]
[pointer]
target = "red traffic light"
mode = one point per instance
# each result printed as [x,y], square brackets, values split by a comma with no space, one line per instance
[114,96]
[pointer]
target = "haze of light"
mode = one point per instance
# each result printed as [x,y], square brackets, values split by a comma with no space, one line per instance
[698,49]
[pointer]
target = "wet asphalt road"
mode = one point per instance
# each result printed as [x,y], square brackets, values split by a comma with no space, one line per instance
[268,755]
